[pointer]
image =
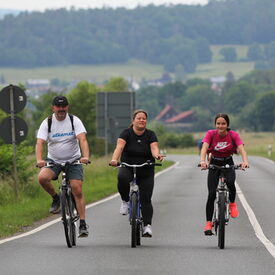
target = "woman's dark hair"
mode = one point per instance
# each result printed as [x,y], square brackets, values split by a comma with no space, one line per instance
[226,118]
[135,114]
[139,111]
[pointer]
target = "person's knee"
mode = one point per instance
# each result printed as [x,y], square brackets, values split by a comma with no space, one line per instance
[77,190]
[44,179]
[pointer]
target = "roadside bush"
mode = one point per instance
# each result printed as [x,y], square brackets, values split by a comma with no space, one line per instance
[173,140]
[23,163]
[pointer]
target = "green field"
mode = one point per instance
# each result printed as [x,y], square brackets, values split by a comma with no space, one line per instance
[134,69]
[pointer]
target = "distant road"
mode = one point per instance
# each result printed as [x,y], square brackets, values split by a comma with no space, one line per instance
[178,245]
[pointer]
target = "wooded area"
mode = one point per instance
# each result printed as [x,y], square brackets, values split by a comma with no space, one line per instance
[168,35]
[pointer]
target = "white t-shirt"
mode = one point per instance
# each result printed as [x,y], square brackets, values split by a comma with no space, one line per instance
[62,142]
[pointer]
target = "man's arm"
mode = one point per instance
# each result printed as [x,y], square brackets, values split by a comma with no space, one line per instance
[84,147]
[39,152]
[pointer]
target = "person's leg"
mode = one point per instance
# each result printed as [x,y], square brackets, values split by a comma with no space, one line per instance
[146,186]
[212,183]
[230,181]
[44,177]
[79,197]
[75,175]
[125,175]
[231,177]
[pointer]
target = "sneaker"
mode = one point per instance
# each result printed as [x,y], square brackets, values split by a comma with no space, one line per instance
[147,231]
[124,208]
[233,210]
[55,207]
[208,229]
[83,231]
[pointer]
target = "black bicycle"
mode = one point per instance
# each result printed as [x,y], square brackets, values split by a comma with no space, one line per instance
[221,210]
[135,216]
[69,212]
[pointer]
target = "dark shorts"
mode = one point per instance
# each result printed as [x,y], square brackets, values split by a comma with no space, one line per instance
[74,172]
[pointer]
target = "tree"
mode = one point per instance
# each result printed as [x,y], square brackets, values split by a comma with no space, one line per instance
[238,96]
[229,54]
[116,84]
[82,100]
[255,52]
[264,112]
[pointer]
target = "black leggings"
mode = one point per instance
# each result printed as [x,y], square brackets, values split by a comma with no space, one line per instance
[212,182]
[146,186]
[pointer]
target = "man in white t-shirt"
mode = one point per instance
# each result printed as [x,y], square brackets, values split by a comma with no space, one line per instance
[66,138]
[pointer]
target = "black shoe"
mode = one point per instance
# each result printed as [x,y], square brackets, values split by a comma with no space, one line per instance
[55,208]
[83,231]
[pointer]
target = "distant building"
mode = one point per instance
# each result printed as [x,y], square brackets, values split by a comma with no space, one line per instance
[38,84]
[177,120]
[217,83]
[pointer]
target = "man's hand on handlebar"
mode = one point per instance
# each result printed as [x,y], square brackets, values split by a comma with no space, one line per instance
[85,160]
[40,163]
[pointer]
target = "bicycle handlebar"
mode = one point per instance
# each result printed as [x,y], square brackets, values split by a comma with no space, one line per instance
[125,164]
[49,164]
[227,166]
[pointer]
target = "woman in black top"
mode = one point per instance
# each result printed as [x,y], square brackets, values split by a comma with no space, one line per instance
[136,145]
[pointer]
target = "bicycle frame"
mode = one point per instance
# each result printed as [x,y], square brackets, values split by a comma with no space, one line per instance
[68,207]
[221,211]
[135,216]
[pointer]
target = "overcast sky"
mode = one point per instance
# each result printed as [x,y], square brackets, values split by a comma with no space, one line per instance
[54,4]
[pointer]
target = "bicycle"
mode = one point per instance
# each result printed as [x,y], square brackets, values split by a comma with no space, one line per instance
[69,212]
[135,216]
[221,210]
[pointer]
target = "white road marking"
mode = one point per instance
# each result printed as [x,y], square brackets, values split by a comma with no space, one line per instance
[254,222]
[44,226]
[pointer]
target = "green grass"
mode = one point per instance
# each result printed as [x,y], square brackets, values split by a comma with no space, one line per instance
[100,181]
[97,74]
[137,70]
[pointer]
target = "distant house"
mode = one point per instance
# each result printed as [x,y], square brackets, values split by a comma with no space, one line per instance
[166,113]
[172,119]
[38,84]
[217,83]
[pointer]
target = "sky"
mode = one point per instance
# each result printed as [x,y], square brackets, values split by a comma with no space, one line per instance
[41,5]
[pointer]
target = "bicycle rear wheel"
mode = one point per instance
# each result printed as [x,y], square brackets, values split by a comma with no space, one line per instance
[66,210]
[221,228]
[134,223]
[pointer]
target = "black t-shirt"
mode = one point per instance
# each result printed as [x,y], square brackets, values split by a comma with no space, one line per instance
[137,149]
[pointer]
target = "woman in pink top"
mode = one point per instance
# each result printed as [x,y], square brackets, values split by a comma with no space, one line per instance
[221,144]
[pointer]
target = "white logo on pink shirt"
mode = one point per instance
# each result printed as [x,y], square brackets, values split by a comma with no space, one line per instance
[221,146]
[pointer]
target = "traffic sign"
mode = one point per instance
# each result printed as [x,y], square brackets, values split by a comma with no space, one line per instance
[21,130]
[19,99]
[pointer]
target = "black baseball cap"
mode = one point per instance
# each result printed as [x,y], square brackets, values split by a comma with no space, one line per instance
[60,100]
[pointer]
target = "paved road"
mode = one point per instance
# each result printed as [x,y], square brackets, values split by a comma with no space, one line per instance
[178,245]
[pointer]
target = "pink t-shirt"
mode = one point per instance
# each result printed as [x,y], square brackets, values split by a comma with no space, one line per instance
[222,146]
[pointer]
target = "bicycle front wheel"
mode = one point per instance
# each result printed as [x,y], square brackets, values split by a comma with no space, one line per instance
[134,227]
[221,216]
[67,219]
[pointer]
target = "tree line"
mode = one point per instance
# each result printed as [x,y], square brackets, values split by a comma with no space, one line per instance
[249,101]
[167,35]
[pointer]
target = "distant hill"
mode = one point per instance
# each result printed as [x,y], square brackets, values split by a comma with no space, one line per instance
[176,36]
[4,12]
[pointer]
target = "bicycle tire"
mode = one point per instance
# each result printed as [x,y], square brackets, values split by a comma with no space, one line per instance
[139,228]
[66,210]
[134,223]
[75,218]
[221,228]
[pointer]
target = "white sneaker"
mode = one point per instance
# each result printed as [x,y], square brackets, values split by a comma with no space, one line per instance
[124,208]
[147,231]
